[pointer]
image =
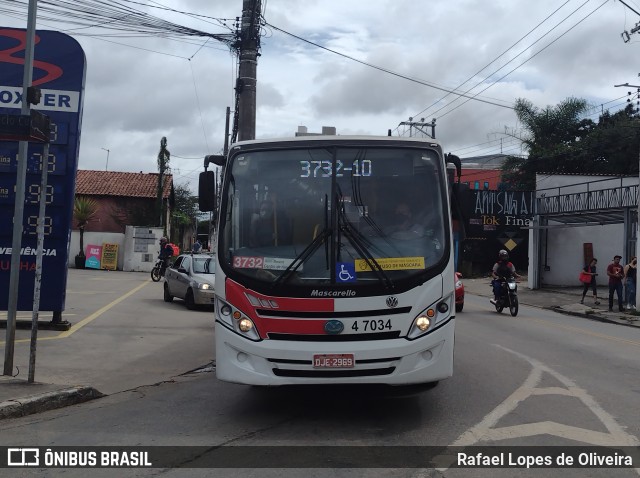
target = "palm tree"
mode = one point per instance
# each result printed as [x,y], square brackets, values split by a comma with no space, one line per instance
[83,210]
[550,136]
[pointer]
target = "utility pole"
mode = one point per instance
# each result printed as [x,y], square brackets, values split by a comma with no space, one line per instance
[163,164]
[106,168]
[247,69]
[418,126]
[626,36]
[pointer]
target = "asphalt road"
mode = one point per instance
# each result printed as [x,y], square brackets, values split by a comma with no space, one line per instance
[540,378]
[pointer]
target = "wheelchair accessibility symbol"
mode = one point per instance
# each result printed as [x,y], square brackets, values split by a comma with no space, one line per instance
[345,272]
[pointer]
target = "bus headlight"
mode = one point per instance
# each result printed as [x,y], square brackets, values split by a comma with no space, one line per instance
[245,324]
[427,320]
[235,320]
[423,323]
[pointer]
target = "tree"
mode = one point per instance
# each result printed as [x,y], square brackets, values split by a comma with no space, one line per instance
[83,210]
[550,137]
[612,147]
[185,209]
[559,141]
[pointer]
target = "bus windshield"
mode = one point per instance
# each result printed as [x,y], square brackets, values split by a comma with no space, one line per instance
[334,216]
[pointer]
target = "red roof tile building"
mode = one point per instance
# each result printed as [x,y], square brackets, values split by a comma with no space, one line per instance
[124,199]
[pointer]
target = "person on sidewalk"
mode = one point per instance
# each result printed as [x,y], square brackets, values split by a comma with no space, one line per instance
[616,274]
[502,268]
[630,278]
[591,270]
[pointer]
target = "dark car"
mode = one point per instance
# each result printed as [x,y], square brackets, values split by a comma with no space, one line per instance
[191,278]
[459,292]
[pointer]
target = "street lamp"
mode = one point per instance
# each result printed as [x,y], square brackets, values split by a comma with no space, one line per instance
[106,168]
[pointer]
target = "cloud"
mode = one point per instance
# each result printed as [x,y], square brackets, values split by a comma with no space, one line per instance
[139,89]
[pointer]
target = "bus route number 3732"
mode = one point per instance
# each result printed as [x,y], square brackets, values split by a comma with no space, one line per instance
[333,361]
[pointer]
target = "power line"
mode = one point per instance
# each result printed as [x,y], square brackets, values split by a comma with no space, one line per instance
[530,58]
[493,61]
[110,16]
[386,70]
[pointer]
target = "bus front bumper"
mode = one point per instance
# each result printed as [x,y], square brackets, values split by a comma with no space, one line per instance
[281,362]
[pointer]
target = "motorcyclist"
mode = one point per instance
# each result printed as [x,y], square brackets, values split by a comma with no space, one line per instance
[166,252]
[502,268]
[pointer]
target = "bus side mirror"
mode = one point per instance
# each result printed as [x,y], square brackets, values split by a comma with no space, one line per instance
[459,206]
[217,159]
[455,160]
[207,191]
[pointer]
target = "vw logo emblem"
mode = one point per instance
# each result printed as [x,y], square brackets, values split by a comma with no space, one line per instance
[392,302]
[333,327]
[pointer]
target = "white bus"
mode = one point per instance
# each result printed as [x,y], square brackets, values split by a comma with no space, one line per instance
[334,262]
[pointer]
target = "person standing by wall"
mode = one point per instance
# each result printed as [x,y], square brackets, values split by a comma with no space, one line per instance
[616,274]
[630,277]
[591,270]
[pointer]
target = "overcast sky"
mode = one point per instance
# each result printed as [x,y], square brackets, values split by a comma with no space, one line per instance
[141,89]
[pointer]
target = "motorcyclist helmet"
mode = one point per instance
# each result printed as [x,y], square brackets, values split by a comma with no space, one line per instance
[503,254]
[163,240]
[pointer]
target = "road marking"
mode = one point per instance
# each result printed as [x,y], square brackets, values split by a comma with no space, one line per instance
[485,431]
[89,319]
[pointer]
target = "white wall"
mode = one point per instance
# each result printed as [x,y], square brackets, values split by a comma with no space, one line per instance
[97,238]
[138,247]
[565,251]
[142,248]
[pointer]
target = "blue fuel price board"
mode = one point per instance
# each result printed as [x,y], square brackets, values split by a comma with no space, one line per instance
[59,71]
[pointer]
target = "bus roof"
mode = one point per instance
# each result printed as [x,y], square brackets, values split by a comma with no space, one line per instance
[337,139]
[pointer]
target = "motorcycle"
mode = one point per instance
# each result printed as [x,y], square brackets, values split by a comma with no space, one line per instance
[158,270]
[508,296]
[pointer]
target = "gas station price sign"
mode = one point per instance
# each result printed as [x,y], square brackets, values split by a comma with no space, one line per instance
[59,72]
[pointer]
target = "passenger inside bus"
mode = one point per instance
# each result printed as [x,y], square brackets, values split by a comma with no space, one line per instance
[269,227]
[404,226]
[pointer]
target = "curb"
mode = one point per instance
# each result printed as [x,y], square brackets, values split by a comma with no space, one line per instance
[47,401]
[592,316]
[42,325]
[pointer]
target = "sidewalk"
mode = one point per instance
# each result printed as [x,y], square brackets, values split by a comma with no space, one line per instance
[565,300]
[122,336]
[95,365]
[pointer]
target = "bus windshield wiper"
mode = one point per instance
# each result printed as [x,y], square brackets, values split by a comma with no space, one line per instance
[361,247]
[302,257]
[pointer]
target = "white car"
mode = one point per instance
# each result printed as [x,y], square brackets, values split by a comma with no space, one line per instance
[191,278]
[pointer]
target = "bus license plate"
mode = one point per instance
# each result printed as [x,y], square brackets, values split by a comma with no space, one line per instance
[333,361]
